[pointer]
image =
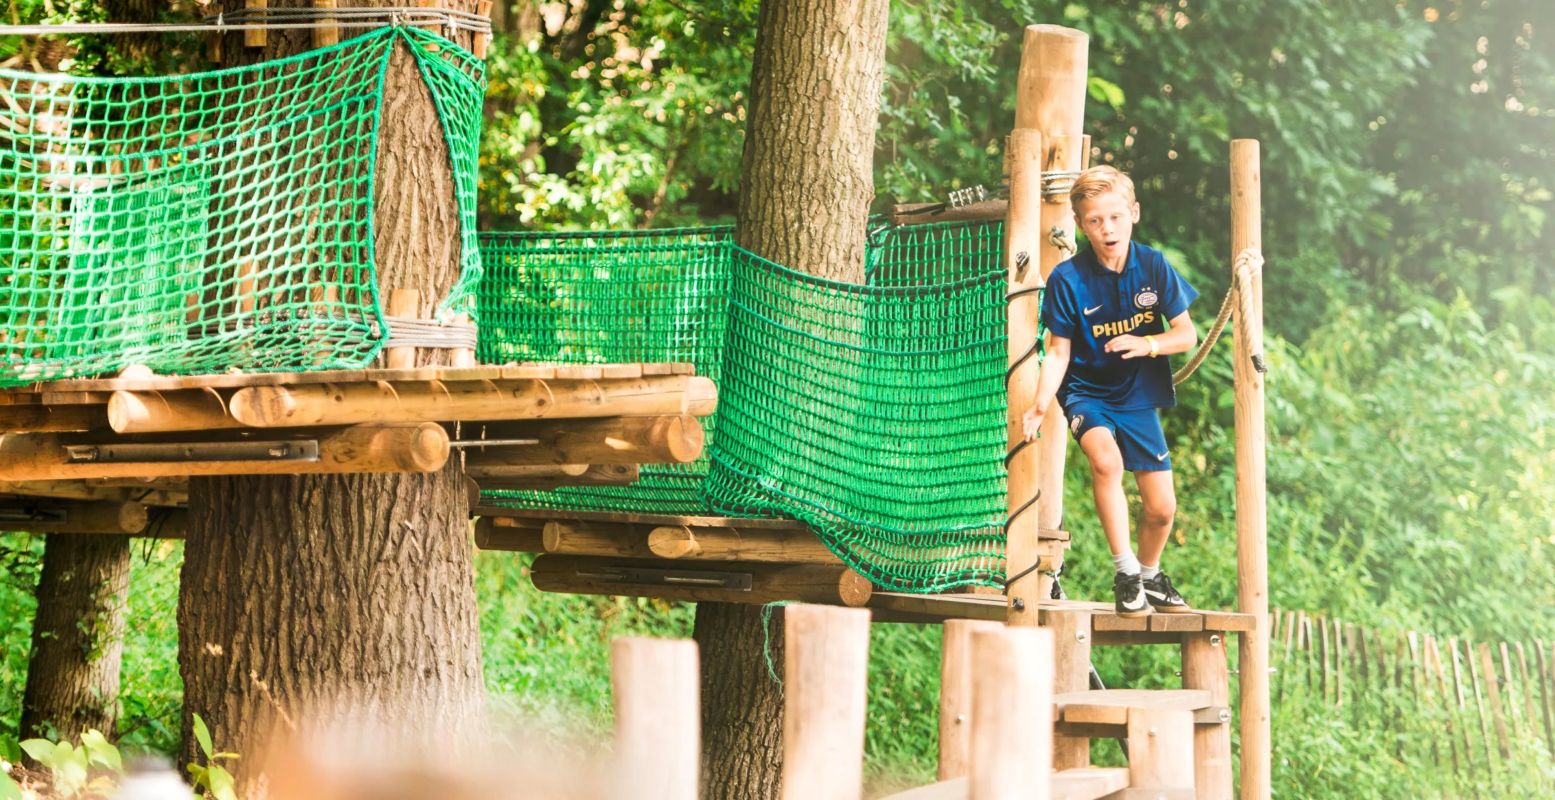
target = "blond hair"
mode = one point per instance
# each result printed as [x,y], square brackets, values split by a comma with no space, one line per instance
[1098,181]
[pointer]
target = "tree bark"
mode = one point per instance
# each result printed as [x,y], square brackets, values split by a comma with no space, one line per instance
[77,637]
[312,602]
[806,185]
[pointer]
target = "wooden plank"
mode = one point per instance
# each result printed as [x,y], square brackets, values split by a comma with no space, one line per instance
[51,419]
[239,380]
[1111,706]
[925,213]
[641,519]
[825,677]
[700,582]
[1160,749]
[1179,623]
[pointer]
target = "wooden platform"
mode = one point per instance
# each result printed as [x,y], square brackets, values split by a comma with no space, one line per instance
[139,436]
[1106,626]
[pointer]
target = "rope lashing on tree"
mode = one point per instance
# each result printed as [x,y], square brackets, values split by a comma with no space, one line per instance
[1248,263]
[273,19]
[213,221]
[416,332]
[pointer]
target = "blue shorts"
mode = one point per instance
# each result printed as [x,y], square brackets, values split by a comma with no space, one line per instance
[1137,432]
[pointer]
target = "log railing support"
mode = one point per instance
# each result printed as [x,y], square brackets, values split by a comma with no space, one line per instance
[825,672]
[658,741]
[1251,502]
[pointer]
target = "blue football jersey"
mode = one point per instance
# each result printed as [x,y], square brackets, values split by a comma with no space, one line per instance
[1090,305]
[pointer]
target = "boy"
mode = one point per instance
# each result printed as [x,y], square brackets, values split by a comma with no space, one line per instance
[1113,313]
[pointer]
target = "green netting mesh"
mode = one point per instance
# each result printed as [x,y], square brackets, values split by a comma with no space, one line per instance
[874,412]
[198,223]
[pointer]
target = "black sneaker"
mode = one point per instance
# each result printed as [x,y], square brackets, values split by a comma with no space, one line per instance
[1163,597]
[1130,593]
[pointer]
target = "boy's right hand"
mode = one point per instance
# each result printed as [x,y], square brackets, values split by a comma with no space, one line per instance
[1031,422]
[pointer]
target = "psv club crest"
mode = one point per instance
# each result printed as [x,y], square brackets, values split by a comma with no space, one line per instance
[1146,298]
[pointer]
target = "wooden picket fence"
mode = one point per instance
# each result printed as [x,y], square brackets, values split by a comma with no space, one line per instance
[1480,708]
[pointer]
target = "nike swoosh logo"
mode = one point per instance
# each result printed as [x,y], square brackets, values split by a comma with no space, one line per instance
[1162,457]
[1137,603]
[1152,593]
[1090,311]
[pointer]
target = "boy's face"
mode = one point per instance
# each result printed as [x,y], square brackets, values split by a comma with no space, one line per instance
[1108,221]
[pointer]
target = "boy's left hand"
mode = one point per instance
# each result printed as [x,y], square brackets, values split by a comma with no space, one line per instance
[1130,346]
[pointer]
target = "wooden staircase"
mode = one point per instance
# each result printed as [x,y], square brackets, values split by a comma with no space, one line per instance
[1179,740]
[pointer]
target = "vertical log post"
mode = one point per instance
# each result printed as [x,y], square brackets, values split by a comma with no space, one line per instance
[212,53]
[658,742]
[404,303]
[482,40]
[1012,714]
[1252,544]
[1160,751]
[825,676]
[1546,701]
[255,37]
[327,35]
[1492,677]
[1204,667]
[955,694]
[1049,116]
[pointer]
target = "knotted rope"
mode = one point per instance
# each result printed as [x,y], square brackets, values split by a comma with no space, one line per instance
[1249,263]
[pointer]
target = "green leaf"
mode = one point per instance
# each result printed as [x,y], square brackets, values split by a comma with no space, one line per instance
[8,788]
[202,735]
[221,784]
[41,750]
[101,752]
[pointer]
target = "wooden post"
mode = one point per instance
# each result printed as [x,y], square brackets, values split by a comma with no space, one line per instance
[1204,667]
[1546,700]
[1071,673]
[1471,657]
[1012,714]
[462,357]
[825,676]
[1252,521]
[1049,113]
[482,40]
[957,669]
[212,53]
[1493,694]
[255,37]
[658,741]
[405,304]
[325,36]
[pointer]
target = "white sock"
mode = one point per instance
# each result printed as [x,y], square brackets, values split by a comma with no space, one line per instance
[1147,572]
[1127,563]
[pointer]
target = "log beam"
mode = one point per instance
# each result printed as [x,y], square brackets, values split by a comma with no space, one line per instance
[357,449]
[596,539]
[735,544]
[732,583]
[72,517]
[162,412]
[674,439]
[51,419]
[501,533]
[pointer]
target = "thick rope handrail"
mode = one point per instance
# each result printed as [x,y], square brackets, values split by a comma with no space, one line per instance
[273,19]
[1248,262]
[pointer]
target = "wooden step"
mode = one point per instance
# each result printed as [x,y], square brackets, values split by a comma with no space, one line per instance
[1071,784]
[1111,706]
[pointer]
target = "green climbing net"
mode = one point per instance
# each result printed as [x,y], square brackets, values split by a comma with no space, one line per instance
[873,412]
[204,222]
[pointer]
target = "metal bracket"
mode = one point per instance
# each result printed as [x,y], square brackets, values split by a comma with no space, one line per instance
[648,576]
[176,452]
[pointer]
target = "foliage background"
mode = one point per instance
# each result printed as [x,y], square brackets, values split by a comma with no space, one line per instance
[1409,155]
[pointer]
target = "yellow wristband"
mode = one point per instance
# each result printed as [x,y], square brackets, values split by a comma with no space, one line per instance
[1155,346]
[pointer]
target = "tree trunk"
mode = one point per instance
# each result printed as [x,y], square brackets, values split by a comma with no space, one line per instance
[77,637]
[310,602]
[806,185]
